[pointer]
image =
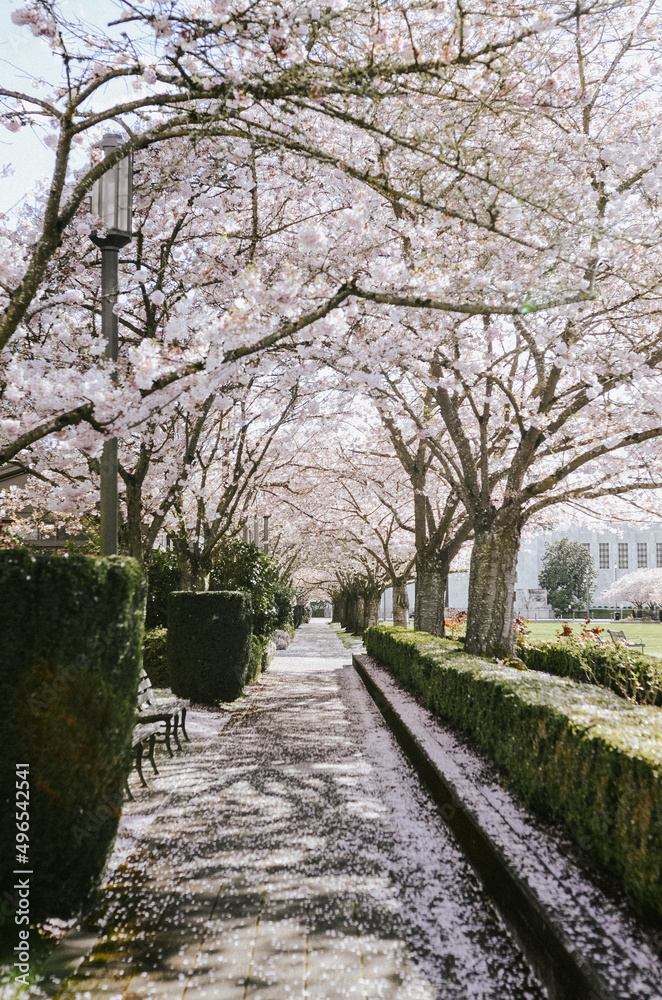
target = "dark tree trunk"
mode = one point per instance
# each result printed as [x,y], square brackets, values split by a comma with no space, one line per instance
[431,577]
[133,527]
[400,603]
[359,611]
[492,591]
[371,603]
[351,613]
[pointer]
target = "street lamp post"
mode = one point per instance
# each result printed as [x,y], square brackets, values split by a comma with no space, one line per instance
[112,197]
[265,533]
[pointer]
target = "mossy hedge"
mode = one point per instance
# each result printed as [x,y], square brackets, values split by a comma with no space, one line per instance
[155,657]
[72,631]
[209,644]
[628,674]
[262,653]
[577,753]
[258,646]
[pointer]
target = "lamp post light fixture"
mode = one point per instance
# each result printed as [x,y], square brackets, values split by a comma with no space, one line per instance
[112,197]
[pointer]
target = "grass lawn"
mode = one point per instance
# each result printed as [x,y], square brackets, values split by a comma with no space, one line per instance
[651,634]
[348,639]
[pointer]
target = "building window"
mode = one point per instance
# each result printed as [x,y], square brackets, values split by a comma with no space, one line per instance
[603,550]
[658,554]
[642,555]
[622,555]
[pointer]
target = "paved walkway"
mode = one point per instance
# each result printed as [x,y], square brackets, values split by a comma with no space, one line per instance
[288,853]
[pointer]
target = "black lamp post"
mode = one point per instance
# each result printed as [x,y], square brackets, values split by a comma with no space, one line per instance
[112,197]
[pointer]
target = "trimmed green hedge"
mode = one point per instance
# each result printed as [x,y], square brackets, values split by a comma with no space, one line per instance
[262,653]
[155,657]
[628,674]
[209,644]
[72,631]
[258,647]
[576,753]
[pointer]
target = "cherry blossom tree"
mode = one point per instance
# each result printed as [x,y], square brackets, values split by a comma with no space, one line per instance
[643,588]
[476,238]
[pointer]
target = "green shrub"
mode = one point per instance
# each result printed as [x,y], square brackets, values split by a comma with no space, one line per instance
[628,674]
[209,644]
[72,629]
[577,753]
[155,657]
[258,645]
[285,599]
[163,576]
[262,653]
[241,566]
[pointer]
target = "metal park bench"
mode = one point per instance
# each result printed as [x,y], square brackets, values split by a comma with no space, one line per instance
[169,711]
[143,739]
[162,717]
[619,638]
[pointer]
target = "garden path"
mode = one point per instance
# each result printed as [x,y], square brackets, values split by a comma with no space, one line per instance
[289,853]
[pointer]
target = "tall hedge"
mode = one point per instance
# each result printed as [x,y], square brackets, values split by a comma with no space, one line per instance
[209,644]
[575,752]
[71,631]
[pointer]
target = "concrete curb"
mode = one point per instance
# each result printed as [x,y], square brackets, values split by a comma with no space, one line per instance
[513,879]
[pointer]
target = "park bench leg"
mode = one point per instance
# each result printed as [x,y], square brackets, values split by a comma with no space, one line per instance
[128,791]
[139,764]
[175,720]
[167,722]
[150,755]
[182,723]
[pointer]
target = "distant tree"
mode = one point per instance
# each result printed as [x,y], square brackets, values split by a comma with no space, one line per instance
[567,575]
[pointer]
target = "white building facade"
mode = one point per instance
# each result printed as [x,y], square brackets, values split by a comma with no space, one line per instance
[616,551]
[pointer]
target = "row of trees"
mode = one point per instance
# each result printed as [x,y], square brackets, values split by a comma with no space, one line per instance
[431,232]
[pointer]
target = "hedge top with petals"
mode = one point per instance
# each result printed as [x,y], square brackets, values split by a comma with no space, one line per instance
[634,729]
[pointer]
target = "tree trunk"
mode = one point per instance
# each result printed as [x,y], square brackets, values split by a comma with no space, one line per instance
[359,611]
[194,570]
[492,591]
[133,526]
[400,603]
[349,623]
[371,610]
[431,577]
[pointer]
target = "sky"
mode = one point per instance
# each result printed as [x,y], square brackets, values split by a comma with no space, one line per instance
[22,59]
